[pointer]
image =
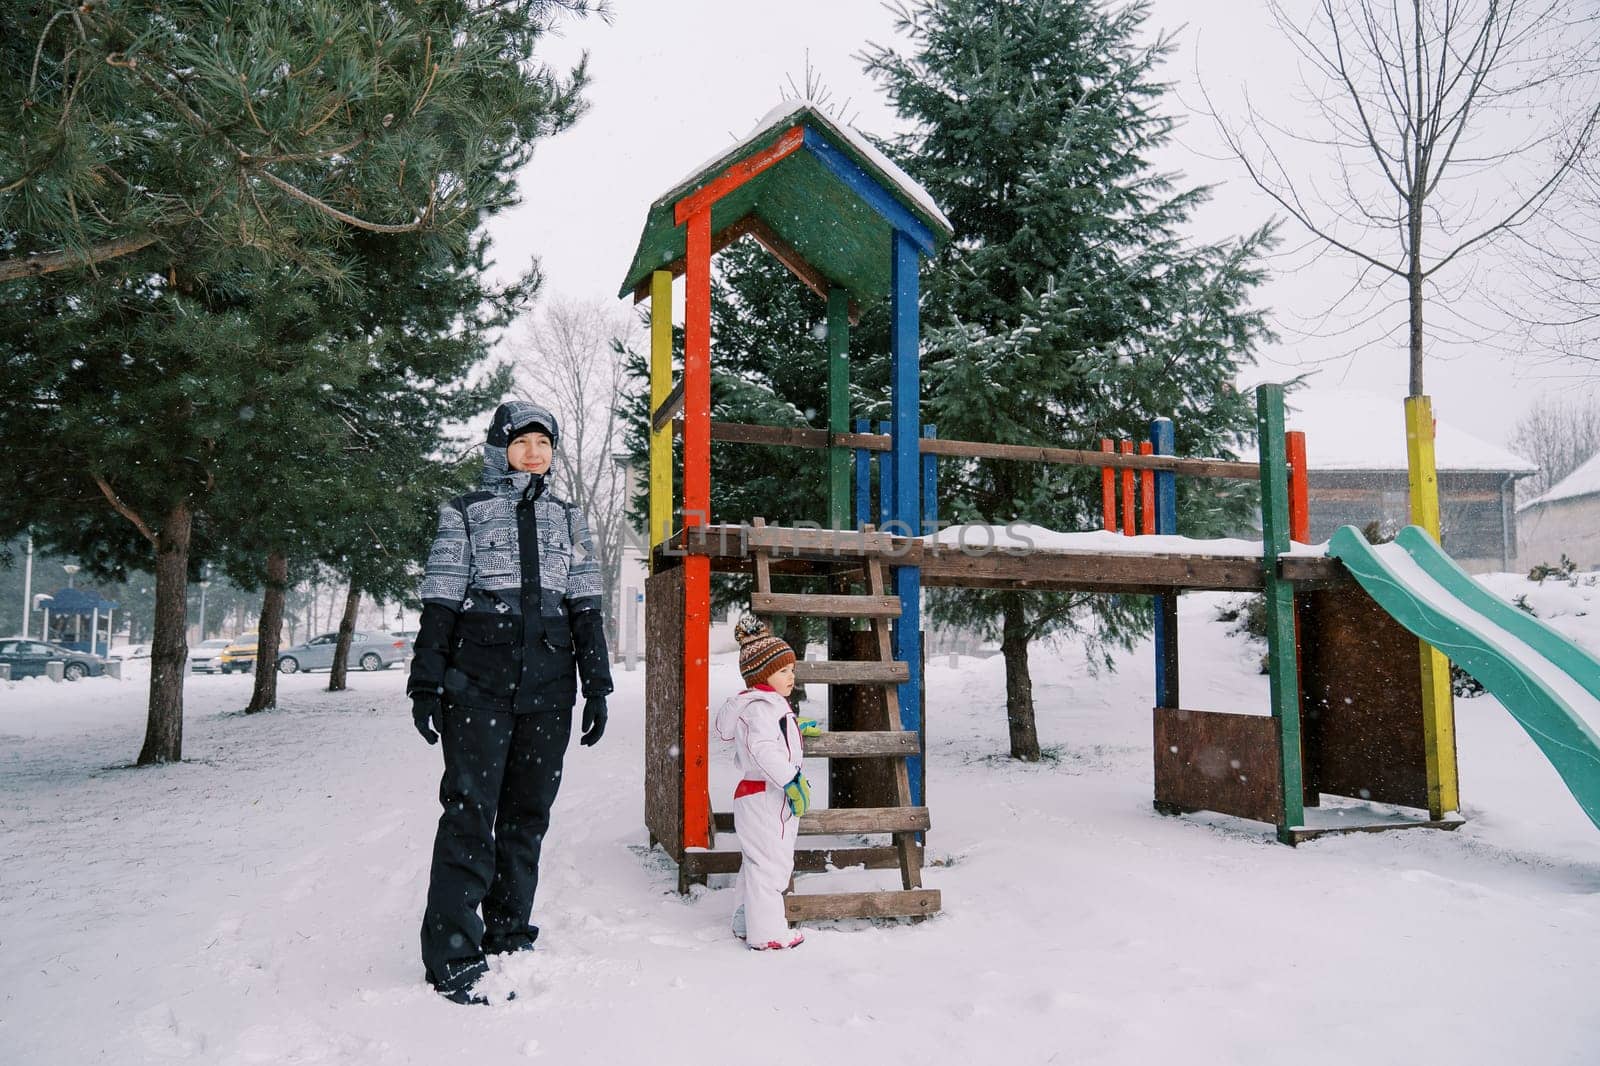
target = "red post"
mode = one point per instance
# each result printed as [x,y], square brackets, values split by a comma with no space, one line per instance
[1299,487]
[697,512]
[1147,492]
[1128,527]
[1108,488]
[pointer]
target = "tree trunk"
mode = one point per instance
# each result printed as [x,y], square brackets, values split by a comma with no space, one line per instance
[268,634]
[1414,285]
[341,652]
[169,650]
[1019,684]
[794,635]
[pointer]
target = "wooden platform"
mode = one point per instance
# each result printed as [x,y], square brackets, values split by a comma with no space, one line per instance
[950,566]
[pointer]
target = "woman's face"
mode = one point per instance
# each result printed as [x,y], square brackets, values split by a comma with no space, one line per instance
[530,452]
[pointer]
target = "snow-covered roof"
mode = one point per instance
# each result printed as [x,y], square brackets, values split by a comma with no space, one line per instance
[814,191]
[1349,429]
[1584,481]
[903,182]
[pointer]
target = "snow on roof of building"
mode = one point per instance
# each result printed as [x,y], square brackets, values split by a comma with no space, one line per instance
[1584,481]
[1349,429]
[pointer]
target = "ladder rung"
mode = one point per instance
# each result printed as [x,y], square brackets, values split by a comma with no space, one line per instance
[806,860]
[859,745]
[840,542]
[824,606]
[848,672]
[833,820]
[816,907]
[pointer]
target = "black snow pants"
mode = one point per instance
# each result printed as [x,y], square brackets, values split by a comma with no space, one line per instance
[501,774]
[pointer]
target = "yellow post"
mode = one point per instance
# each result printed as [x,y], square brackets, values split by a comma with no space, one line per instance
[1438,706]
[660,387]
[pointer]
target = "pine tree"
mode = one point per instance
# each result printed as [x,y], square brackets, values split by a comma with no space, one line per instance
[229,132]
[1069,307]
[166,394]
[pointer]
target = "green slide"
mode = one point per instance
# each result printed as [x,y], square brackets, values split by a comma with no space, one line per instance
[1549,684]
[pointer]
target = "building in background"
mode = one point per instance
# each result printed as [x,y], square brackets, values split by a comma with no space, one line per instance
[1356,449]
[1564,521]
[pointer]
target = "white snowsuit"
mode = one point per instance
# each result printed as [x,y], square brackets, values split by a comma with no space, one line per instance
[765,735]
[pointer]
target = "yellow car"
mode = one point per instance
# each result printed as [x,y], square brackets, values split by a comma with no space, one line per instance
[240,654]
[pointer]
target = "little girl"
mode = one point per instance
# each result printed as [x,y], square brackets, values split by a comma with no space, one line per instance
[773,792]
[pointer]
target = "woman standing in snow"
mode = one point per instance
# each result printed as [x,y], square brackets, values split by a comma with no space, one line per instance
[511,613]
[773,792]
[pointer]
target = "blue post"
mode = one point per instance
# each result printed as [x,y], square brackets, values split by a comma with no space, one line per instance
[930,486]
[905,402]
[1163,440]
[863,478]
[886,474]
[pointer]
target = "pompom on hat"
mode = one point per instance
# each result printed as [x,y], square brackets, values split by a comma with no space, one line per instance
[760,653]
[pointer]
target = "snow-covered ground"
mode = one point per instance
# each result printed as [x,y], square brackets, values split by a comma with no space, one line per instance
[260,902]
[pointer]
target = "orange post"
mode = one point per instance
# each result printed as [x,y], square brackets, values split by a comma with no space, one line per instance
[1128,527]
[1108,489]
[1147,492]
[696,512]
[1299,487]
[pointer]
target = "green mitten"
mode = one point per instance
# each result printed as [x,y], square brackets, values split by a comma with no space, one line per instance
[799,793]
[810,727]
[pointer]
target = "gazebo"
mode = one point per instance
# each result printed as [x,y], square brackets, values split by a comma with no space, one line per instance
[76,603]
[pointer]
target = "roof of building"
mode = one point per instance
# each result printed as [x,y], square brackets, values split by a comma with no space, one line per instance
[812,190]
[75,600]
[1584,481]
[1349,429]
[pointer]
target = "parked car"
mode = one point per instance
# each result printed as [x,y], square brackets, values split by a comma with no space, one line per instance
[27,658]
[206,657]
[130,651]
[369,651]
[240,654]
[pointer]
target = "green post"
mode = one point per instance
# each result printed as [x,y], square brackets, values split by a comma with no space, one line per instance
[839,500]
[1285,685]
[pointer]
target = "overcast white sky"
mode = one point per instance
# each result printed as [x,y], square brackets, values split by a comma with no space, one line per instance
[673,83]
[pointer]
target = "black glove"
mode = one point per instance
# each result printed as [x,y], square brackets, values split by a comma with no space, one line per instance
[594,720]
[426,710]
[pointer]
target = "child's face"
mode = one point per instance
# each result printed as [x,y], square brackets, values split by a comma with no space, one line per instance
[783,681]
[530,452]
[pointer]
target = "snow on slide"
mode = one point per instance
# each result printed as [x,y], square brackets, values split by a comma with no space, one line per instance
[1550,685]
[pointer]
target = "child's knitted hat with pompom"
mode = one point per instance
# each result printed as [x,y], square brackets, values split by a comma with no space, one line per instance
[760,653]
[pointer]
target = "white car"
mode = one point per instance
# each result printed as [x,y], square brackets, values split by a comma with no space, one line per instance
[206,657]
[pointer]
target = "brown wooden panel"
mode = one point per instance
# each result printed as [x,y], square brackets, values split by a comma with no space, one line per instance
[1361,699]
[814,672]
[1300,836]
[829,820]
[663,710]
[806,860]
[832,745]
[833,541]
[818,605]
[905,903]
[1211,761]
[1021,568]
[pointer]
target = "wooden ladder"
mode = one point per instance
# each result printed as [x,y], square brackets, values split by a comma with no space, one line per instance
[902,821]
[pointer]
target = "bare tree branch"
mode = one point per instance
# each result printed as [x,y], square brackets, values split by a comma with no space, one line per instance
[30,266]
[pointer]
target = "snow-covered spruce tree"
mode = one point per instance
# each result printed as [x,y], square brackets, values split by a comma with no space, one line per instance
[1069,306]
[262,151]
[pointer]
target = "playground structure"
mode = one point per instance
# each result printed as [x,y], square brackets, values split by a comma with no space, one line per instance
[1358,708]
